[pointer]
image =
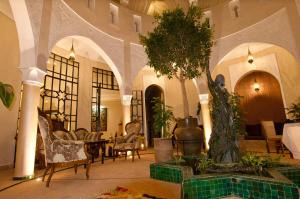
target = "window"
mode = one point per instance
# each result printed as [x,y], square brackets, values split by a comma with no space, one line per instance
[91,4]
[137,23]
[102,79]
[114,14]
[234,7]
[59,95]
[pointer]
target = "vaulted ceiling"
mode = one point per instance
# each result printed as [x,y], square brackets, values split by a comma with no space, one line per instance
[152,6]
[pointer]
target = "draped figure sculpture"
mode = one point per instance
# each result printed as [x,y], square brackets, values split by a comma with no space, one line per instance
[223,143]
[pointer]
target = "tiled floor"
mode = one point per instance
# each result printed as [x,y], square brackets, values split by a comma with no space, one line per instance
[66,184]
[135,176]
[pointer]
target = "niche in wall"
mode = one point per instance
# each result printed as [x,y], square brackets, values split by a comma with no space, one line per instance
[264,103]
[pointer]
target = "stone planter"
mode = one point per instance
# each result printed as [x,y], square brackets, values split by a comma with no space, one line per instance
[163,149]
[189,136]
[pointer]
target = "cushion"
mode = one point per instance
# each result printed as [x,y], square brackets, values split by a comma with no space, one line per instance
[81,134]
[130,138]
[59,134]
[70,136]
[254,130]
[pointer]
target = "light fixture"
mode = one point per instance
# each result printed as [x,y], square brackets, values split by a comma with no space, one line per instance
[72,53]
[158,74]
[250,57]
[256,86]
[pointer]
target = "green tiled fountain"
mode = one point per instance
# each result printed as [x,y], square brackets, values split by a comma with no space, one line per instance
[220,186]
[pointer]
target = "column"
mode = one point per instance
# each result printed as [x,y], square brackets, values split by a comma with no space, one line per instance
[26,141]
[206,117]
[126,101]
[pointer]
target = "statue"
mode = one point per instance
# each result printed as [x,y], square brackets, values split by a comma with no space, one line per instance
[223,143]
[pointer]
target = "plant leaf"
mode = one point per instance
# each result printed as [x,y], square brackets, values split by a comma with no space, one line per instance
[6,94]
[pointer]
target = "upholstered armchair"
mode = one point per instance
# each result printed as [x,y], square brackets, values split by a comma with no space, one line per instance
[60,152]
[269,132]
[79,134]
[129,142]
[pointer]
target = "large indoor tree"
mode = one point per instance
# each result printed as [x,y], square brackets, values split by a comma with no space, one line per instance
[179,46]
[6,94]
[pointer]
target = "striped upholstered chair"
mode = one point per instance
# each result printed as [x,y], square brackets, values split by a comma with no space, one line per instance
[59,152]
[129,142]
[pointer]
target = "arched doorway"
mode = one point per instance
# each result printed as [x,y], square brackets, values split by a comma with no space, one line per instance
[261,101]
[151,92]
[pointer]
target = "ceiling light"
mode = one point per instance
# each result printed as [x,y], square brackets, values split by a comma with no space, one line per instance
[250,57]
[256,86]
[158,74]
[72,53]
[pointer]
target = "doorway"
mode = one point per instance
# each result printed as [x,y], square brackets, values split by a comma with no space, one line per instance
[261,101]
[151,92]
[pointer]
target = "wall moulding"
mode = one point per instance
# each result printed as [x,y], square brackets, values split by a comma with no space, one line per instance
[33,76]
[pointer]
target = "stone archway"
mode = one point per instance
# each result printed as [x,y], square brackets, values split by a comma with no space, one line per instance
[261,100]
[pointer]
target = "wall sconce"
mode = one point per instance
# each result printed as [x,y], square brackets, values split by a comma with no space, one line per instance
[250,57]
[256,86]
[72,53]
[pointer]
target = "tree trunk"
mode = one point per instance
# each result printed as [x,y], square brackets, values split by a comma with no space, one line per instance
[185,99]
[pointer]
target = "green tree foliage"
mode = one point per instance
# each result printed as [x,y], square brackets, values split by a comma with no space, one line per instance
[179,46]
[294,112]
[6,94]
[163,116]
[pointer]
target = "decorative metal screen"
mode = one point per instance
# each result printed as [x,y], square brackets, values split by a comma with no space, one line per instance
[102,79]
[59,95]
[136,112]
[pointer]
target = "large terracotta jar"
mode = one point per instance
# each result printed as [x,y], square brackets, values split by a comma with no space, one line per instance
[189,136]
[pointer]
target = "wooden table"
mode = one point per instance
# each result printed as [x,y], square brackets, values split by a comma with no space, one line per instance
[291,138]
[93,148]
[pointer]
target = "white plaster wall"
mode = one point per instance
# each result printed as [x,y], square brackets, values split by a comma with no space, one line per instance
[9,59]
[114,117]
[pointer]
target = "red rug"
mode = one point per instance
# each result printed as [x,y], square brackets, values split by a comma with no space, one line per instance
[124,193]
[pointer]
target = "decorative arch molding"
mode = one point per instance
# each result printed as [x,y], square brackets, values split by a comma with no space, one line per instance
[139,60]
[274,29]
[266,64]
[25,33]
[65,22]
[102,53]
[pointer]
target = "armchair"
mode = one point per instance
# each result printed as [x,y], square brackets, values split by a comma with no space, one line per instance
[268,130]
[128,142]
[60,152]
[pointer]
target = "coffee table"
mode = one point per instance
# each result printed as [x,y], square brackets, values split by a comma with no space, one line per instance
[93,148]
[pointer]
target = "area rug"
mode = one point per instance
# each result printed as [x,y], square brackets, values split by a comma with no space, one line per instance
[124,193]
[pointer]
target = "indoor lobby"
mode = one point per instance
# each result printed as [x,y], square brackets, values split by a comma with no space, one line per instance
[166,99]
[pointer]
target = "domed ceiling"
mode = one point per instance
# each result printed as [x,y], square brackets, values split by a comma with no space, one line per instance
[158,6]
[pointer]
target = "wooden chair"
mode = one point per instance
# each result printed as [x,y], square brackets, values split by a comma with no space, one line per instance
[129,142]
[58,152]
[268,130]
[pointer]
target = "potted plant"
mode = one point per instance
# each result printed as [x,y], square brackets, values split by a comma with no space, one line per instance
[179,47]
[294,112]
[163,116]
[6,94]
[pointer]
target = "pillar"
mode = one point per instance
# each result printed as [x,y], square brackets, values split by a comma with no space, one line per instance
[204,100]
[126,102]
[26,141]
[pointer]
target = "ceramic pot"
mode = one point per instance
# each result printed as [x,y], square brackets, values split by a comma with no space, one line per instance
[189,137]
[163,149]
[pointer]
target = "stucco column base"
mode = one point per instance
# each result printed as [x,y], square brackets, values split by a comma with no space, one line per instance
[126,116]
[206,118]
[26,140]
